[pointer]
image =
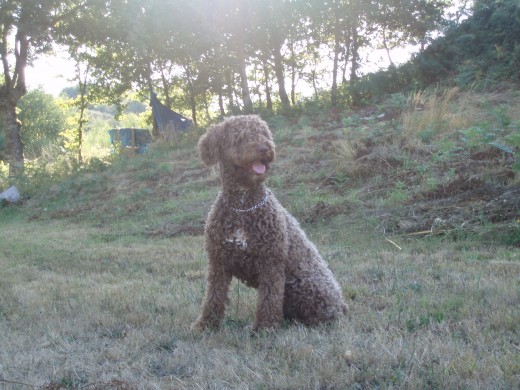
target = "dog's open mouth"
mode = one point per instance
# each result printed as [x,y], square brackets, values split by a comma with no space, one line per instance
[259,167]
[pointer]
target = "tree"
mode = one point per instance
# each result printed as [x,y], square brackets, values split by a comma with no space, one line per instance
[15,26]
[197,51]
[27,30]
[402,22]
[275,20]
[483,47]
[158,44]
[43,123]
[82,76]
[340,23]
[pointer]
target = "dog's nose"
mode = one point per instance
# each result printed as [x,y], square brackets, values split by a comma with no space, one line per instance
[262,149]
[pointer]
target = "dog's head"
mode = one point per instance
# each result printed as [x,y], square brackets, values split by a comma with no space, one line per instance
[243,145]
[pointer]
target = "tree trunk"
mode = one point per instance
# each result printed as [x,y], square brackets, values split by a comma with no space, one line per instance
[387,49]
[166,90]
[293,74]
[191,93]
[206,107]
[82,107]
[231,100]
[314,85]
[346,59]
[221,103]
[278,70]
[193,106]
[268,99]
[355,55]
[14,141]
[11,90]
[246,97]
[337,48]
[80,128]
[293,85]
[355,95]
[258,87]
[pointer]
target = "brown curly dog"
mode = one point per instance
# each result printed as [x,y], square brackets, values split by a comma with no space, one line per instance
[250,236]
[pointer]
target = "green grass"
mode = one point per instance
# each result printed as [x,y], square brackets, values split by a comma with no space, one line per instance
[102,273]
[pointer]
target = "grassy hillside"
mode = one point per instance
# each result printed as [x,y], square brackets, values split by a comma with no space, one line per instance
[414,203]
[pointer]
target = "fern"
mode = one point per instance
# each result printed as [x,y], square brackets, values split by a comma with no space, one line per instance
[502,147]
[514,139]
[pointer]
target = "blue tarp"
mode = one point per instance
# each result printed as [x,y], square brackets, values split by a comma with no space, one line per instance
[166,119]
[127,137]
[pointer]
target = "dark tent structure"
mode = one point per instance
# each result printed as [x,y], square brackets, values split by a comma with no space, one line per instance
[166,123]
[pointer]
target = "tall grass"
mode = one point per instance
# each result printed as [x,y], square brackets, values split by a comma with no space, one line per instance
[96,144]
[431,114]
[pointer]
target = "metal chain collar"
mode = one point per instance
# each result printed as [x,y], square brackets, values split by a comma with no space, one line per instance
[256,206]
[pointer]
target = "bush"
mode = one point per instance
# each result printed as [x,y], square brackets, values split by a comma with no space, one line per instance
[43,121]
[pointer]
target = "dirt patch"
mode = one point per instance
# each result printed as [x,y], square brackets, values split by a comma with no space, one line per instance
[467,186]
[372,161]
[322,212]
[505,207]
[461,209]
[487,154]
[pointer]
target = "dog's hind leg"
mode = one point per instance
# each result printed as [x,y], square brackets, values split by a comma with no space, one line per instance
[269,312]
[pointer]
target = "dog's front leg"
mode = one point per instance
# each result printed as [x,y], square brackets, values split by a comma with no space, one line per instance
[216,298]
[269,312]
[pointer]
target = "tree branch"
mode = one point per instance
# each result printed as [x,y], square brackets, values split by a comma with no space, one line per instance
[21,55]
[5,63]
[65,15]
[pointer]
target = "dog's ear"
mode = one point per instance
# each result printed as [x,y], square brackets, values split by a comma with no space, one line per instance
[208,146]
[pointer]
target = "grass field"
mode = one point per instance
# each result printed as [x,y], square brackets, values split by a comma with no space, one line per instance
[102,272]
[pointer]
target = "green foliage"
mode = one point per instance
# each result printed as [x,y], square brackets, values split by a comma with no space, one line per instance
[479,51]
[43,122]
[475,136]
[399,194]
[69,134]
[483,48]
[514,141]
[135,120]
[375,85]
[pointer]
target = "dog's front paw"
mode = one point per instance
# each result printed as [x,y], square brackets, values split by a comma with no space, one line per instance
[204,323]
[200,325]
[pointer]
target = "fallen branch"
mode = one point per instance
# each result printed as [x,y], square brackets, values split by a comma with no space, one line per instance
[393,243]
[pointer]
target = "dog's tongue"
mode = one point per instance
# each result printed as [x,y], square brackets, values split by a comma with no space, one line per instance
[259,168]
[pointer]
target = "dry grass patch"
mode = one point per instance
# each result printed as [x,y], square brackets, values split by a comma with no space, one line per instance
[77,310]
[432,114]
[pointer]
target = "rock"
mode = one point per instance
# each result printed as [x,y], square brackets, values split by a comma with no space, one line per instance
[11,195]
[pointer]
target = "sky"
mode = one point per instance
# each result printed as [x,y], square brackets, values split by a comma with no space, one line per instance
[52,73]
[56,72]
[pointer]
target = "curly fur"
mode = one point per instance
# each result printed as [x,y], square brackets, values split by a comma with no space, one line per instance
[250,236]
